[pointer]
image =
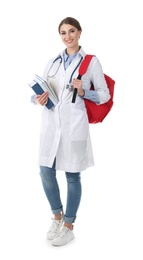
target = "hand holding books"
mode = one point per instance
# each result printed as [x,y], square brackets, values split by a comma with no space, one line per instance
[44,91]
[42,99]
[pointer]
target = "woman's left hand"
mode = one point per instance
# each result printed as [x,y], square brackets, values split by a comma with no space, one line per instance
[77,83]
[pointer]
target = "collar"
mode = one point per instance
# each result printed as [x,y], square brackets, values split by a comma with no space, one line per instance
[71,57]
[80,53]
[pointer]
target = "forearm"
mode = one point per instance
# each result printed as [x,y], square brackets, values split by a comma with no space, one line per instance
[91,95]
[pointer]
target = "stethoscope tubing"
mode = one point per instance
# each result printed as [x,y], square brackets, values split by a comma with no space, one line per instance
[79,77]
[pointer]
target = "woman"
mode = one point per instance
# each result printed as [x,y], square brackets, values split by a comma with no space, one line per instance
[65,139]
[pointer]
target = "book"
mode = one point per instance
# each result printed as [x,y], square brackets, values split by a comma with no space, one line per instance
[39,86]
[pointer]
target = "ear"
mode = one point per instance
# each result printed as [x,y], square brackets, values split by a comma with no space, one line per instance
[79,33]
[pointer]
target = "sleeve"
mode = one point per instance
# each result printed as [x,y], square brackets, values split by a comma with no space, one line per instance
[101,93]
[91,95]
[32,99]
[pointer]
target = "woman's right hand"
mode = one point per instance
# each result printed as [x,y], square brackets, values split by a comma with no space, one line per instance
[41,99]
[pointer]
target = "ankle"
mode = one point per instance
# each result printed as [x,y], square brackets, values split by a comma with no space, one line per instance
[69,225]
[58,216]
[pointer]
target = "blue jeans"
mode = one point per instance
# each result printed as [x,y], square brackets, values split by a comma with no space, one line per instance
[51,189]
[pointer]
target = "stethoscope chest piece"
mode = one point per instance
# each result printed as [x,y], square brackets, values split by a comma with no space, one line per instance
[69,86]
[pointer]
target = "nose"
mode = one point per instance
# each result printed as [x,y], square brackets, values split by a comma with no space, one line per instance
[68,35]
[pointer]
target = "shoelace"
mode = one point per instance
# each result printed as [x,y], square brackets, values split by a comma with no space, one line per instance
[54,225]
[63,232]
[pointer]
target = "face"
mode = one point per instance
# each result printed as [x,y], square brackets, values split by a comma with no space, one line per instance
[69,35]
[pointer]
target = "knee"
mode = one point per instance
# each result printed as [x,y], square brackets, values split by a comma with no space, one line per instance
[42,173]
[73,177]
[46,173]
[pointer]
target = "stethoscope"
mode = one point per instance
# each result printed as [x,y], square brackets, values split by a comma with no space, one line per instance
[69,86]
[52,76]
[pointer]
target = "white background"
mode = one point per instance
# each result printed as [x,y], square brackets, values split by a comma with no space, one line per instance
[109,223]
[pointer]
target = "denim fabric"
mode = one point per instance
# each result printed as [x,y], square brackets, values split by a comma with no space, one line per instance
[51,189]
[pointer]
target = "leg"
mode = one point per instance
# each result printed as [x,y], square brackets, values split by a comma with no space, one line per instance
[73,197]
[51,188]
[73,200]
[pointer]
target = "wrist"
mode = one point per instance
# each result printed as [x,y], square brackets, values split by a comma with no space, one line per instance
[81,93]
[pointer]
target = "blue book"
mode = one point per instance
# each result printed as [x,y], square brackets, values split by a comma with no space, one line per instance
[39,86]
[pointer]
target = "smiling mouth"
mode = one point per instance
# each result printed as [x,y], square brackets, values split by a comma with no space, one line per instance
[69,41]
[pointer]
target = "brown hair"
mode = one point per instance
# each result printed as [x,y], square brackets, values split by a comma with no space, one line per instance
[71,21]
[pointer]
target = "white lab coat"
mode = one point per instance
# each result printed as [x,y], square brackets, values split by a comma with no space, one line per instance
[64,131]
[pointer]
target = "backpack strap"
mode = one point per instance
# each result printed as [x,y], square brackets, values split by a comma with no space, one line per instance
[82,70]
[85,63]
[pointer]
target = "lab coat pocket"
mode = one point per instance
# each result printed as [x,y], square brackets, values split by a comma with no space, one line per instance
[79,127]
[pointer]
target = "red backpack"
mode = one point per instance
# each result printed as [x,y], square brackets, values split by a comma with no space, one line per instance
[96,113]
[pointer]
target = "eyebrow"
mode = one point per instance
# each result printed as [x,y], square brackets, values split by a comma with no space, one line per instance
[68,30]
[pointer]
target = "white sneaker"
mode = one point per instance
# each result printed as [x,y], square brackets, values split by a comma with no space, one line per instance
[54,229]
[64,237]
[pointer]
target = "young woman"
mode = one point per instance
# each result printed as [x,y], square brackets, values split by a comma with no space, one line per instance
[65,139]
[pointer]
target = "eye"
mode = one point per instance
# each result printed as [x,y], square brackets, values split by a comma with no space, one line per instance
[72,31]
[62,33]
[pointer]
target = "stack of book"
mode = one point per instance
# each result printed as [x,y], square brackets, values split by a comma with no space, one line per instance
[39,86]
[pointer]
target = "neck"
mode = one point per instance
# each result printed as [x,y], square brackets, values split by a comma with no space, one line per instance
[71,51]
